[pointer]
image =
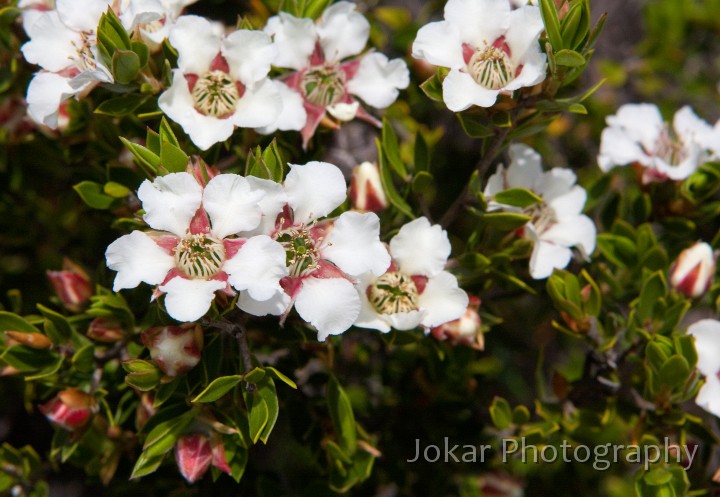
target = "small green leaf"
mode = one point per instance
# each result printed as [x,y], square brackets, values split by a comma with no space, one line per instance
[501,413]
[121,106]
[166,134]
[674,372]
[653,289]
[387,182]
[520,415]
[172,158]
[92,194]
[217,388]
[552,23]
[61,325]
[258,415]
[391,149]
[254,375]
[432,87]
[342,416]
[475,126]
[569,58]
[657,476]
[116,190]
[145,158]
[422,154]
[505,221]
[142,51]
[146,465]
[423,183]
[518,197]
[274,373]
[13,322]
[125,66]
[83,360]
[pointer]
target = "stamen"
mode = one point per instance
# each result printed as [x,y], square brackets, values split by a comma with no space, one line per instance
[323,86]
[84,58]
[491,68]
[200,256]
[669,147]
[394,292]
[215,94]
[302,255]
[542,217]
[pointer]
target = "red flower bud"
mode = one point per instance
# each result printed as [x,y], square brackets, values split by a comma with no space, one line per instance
[106,330]
[693,271]
[175,349]
[465,330]
[72,285]
[219,459]
[366,192]
[32,340]
[201,171]
[70,409]
[193,455]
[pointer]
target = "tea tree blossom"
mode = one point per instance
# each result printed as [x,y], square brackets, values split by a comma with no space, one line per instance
[637,134]
[151,19]
[323,255]
[323,80]
[220,81]
[416,290]
[191,252]
[489,48]
[557,223]
[707,344]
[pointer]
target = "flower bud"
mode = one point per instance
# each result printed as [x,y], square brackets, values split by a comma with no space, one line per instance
[145,409]
[201,171]
[175,349]
[70,409]
[219,459]
[465,330]
[32,340]
[193,455]
[106,330]
[366,192]
[72,285]
[693,271]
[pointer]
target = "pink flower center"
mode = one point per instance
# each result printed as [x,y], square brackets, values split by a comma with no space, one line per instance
[394,292]
[323,85]
[200,256]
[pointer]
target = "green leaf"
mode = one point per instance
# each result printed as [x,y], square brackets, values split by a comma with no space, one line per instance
[13,322]
[274,373]
[552,23]
[125,66]
[675,371]
[501,413]
[266,164]
[258,415]
[84,360]
[432,87]
[423,183]
[61,325]
[143,375]
[342,416]
[569,58]
[520,415]
[475,126]
[116,190]
[617,249]
[576,24]
[387,182]
[172,158]
[162,437]
[254,375]
[422,154]
[653,289]
[657,476]
[146,464]
[121,106]
[391,149]
[142,51]
[166,133]
[217,388]
[505,221]
[25,359]
[266,390]
[92,194]
[518,197]
[145,158]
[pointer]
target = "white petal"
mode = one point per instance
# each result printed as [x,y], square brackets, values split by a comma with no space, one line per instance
[569,204]
[555,183]
[249,55]
[46,92]
[406,320]
[197,43]
[354,244]
[577,231]
[378,80]
[525,168]
[170,202]
[189,300]
[258,267]
[479,21]
[617,148]
[295,39]
[314,190]
[689,126]
[439,43]
[707,344]
[275,305]
[534,69]
[330,305]
[136,257]
[177,103]
[369,317]
[496,183]
[342,31]
[137,12]
[442,300]
[259,106]
[420,249]
[709,396]
[526,24]
[293,115]
[641,123]
[547,256]
[51,44]
[82,15]
[343,111]
[232,205]
[460,91]
[271,204]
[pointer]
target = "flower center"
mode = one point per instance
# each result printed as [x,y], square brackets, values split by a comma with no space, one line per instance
[302,255]
[394,292]
[215,94]
[199,256]
[84,58]
[670,148]
[491,68]
[323,86]
[542,216]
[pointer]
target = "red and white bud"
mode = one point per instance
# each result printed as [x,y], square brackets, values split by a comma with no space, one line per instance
[201,171]
[497,484]
[72,285]
[106,330]
[193,455]
[466,330]
[70,409]
[366,192]
[693,271]
[175,349]
[145,409]
[32,340]
[219,459]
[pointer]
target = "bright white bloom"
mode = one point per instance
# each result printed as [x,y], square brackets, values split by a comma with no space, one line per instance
[707,344]
[323,255]
[220,81]
[193,254]
[322,83]
[693,271]
[638,134]
[62,42]
[152,19]
[416,290]
[557,222]
[31,10]
[488,47]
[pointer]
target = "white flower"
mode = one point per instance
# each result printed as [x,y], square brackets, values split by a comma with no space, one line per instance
[707,344]
[488,47]
[152,19]
[323,255]
[638,134]
[192,255]
[63,43]
[220,82]
[323,83]
[416,290]
[557,222]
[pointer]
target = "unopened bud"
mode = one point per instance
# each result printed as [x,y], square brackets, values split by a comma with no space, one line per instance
[175,349]
[466,330]
[106,330]
[201,171]
[193,455]
[219,459]
[72,285]
[70,409]
[366,192]
[145,409]
[32,340]
[693,271]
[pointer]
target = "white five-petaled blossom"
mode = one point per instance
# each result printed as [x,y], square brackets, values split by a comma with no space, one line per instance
[323,255]
[416,290]
[323,83]
[220,82]
[192,253]
[152,20]
[63,43]
[637,134]
[488,47]
[707,344]
[557,222]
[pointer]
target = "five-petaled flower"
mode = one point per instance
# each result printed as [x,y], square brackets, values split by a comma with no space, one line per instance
[489,48]
[557,222]
[322,83]
[707,344]
[192,252]
[416,290]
